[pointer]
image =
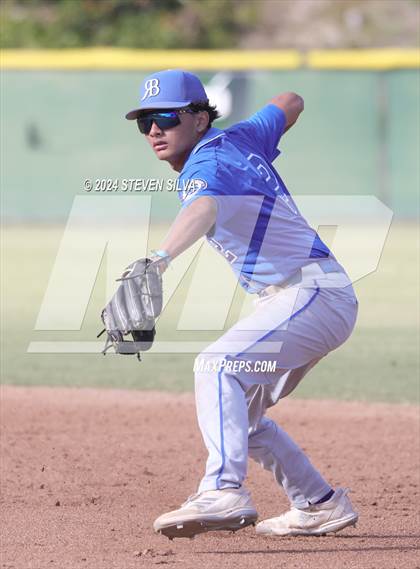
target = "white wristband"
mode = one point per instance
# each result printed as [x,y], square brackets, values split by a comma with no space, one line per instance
[162,254]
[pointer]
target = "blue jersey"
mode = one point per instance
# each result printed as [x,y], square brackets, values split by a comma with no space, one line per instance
[258,228]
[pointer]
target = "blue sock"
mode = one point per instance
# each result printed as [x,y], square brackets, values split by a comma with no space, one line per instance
[326,497]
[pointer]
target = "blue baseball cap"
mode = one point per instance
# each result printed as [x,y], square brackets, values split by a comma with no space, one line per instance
[169,89]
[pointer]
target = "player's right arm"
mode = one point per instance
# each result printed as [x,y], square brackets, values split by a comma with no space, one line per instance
[291,104]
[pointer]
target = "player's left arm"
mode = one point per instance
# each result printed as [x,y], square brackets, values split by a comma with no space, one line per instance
[191,223]
[291,104]
[263,130]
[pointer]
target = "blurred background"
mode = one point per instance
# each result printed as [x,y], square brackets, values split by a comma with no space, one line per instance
[70,70]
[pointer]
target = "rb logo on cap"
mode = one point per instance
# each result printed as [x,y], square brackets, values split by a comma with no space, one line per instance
[151,88]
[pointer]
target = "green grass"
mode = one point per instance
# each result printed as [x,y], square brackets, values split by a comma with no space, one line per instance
[378,363]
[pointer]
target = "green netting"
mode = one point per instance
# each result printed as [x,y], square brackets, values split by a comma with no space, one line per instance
[358,135]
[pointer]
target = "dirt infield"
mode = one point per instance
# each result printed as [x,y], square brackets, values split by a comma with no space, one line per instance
[84,473]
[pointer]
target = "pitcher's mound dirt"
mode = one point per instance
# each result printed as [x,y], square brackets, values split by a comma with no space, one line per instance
[84,473]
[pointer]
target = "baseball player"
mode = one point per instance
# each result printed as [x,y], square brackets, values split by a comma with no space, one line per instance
[305,305]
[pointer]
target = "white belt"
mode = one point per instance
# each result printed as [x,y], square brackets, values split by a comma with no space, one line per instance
[325,274]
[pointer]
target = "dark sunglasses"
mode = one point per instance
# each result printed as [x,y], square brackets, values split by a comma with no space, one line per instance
[164,119]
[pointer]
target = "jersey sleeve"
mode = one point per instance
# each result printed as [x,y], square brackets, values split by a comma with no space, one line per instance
[262,131]
[203,182]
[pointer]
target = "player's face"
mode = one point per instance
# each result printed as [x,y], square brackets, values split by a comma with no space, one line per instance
[175,143]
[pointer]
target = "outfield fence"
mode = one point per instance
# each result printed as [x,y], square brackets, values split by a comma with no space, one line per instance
[63,122]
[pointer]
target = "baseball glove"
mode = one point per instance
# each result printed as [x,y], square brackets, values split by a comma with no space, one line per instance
[133,309]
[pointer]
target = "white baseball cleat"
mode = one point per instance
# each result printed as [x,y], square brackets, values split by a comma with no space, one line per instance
[318,519]
[229,509]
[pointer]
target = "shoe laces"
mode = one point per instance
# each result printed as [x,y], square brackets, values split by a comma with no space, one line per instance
[191,499]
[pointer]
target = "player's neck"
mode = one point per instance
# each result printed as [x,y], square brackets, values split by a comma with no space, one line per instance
[178,162]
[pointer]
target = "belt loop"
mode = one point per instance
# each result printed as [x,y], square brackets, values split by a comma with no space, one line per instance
[328,266]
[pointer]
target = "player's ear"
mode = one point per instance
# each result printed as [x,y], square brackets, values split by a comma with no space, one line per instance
[202,121]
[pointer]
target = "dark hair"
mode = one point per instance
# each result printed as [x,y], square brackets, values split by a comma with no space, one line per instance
[205,106]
